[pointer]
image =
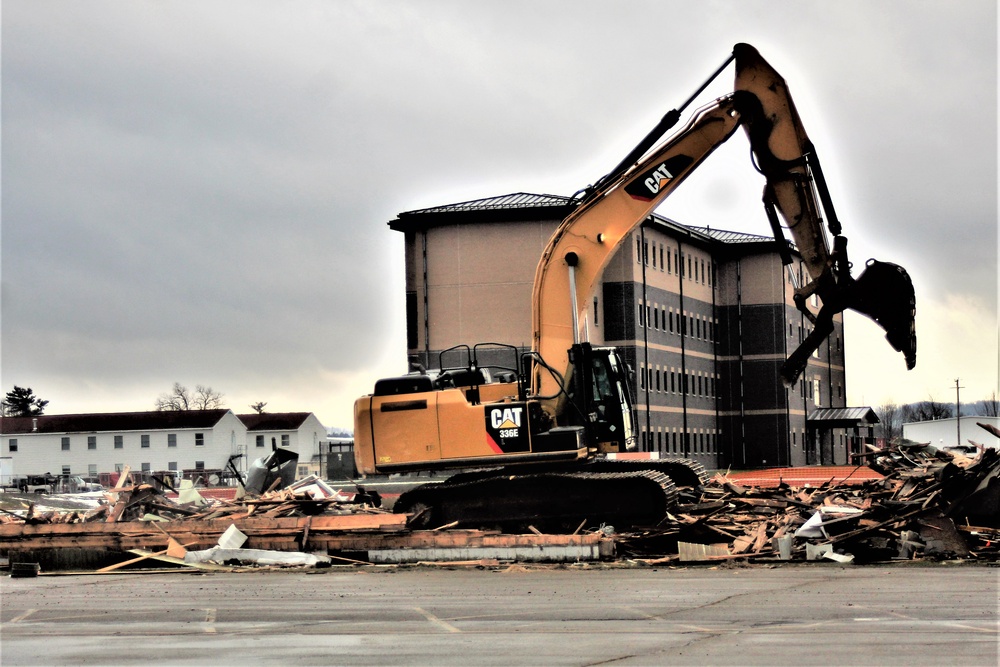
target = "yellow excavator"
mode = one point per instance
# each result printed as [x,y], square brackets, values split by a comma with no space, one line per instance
[533,436]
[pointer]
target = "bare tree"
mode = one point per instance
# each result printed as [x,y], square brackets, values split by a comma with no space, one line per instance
[180,398]
[890,421]
[928,410]
[989,407]
[258,407]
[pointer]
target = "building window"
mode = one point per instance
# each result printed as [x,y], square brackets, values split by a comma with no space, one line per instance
[91,442]
[199,465]
[816,395]
[144,440]
[172,466]
[645,253]
[661,257]
[669,270]
[285,440]
[654,255]
[638,250]
[67,470]
[260,441]
[65,444]
[119,441]
[595,312]
[146,467]
[642,315]
[656,318]
[171,440]
[12,445]
[199,439]
[92,470]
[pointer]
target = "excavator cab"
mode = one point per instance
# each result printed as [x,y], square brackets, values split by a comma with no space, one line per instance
[601,399]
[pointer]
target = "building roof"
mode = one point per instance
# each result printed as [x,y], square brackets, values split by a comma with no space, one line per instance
[517,206]
[525,206]
[733,237]
[503,202]
[843,417]
[113,421]
[274,421]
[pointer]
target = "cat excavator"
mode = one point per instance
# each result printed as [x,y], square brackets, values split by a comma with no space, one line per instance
[532,437]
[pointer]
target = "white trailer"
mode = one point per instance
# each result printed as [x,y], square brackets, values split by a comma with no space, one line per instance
[6,471]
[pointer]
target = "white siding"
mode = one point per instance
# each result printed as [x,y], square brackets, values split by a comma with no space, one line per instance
[42,452]
[944,432]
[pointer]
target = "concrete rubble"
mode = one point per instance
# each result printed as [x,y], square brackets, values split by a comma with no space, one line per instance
[906,503]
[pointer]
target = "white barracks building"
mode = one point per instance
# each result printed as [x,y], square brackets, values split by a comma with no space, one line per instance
[185,441]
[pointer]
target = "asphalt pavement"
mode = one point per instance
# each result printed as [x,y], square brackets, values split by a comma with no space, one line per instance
[809,614]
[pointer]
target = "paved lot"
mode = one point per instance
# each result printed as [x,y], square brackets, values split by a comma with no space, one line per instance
[792,615]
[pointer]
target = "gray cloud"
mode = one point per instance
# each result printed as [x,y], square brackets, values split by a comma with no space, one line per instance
[199,191]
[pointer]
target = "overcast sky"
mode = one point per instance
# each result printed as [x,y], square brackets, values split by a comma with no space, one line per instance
[198,191]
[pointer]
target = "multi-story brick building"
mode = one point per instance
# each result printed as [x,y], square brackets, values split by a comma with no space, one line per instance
[704,317]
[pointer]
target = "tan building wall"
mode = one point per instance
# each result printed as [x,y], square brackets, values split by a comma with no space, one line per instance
[478,284]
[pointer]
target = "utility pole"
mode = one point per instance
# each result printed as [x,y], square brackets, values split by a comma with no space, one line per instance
[958,413]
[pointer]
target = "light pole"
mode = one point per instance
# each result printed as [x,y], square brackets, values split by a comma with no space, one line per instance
[958,413]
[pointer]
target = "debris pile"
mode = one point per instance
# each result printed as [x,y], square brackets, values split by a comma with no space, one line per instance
[145,502]
[141,519]
[930,504]
[905,503]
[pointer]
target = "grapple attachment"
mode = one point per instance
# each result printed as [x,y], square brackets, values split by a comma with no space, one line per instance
[884,292]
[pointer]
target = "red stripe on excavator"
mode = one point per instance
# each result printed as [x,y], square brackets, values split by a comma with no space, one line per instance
[493,444]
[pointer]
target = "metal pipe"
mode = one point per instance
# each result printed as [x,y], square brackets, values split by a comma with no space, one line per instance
[571,261]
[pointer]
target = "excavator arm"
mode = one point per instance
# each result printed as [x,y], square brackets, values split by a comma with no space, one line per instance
[579,250]
[584,242]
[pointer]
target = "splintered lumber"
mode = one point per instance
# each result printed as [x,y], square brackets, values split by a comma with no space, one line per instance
[145,556]
[262,532]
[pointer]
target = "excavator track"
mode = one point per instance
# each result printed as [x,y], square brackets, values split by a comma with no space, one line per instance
[683,472]
[548,501]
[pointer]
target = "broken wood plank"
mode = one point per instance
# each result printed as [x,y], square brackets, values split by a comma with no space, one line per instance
[146,556]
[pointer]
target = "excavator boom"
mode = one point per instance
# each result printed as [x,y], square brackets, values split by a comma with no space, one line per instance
[795,189]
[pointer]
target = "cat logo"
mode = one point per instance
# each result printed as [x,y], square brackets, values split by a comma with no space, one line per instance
[506,418]
[647,185]
[507,428]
